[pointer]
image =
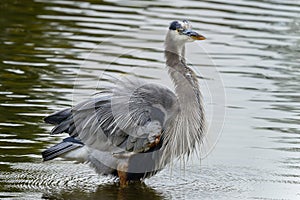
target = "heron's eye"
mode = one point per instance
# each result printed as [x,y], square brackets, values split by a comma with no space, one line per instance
[180,30]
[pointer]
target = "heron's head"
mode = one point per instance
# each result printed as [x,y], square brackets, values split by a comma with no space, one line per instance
[181,31]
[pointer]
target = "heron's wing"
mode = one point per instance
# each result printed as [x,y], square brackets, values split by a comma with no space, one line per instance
[131,118]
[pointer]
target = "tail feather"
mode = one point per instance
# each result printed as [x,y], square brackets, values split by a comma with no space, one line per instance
[65,146]
[62,127]
[58,117]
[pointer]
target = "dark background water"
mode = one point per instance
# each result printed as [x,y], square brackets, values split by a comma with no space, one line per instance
[249,66]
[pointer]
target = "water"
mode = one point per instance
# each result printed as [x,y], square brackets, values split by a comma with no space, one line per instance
[249,66]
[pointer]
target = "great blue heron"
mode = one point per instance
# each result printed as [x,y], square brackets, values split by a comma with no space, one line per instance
[133,130]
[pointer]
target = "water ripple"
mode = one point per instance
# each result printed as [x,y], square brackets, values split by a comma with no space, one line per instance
[59,52]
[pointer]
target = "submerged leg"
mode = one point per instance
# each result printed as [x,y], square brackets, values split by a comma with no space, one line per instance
[122,173]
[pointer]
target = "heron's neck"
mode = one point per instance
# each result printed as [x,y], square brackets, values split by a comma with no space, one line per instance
[184,78]
[174,53]
[186,130]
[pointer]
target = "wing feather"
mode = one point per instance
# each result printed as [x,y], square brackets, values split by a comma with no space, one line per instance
[130,117]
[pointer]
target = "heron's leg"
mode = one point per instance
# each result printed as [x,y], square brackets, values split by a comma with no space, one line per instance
[122,173]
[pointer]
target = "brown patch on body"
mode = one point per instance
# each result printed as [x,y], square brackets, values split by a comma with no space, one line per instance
[155,143]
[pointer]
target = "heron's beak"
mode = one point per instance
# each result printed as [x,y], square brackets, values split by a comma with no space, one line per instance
[194,35]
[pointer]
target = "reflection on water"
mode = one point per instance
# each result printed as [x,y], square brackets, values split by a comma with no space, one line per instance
[110,192]
[46,65]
